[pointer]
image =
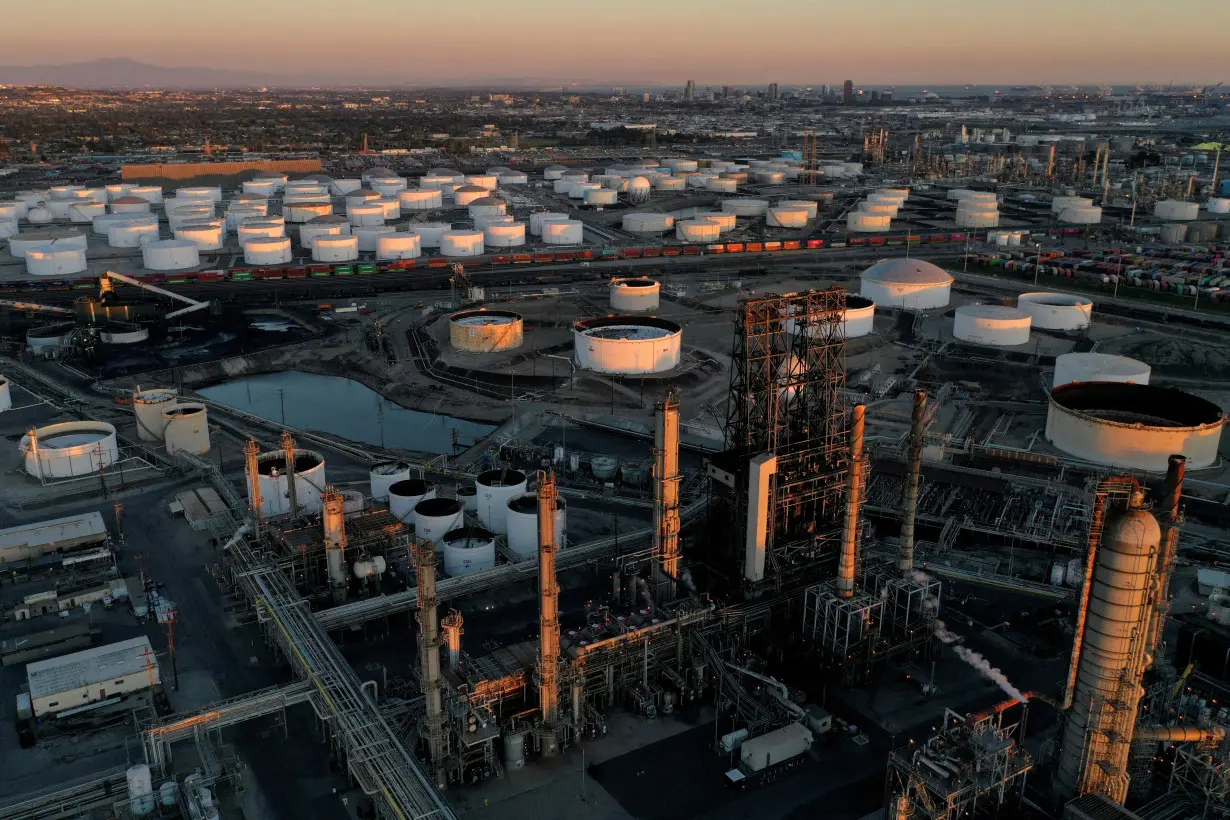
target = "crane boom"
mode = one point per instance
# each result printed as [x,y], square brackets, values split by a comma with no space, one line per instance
[34,306]
[193,304]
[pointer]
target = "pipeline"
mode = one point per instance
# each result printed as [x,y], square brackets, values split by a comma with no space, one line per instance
[854,493]
[1180,734]
[905,560]
[1172,523]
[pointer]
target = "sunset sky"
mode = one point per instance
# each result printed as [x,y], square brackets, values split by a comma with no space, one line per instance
[904,42]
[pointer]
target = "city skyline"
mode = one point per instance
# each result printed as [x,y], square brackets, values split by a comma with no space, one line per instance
[789,42]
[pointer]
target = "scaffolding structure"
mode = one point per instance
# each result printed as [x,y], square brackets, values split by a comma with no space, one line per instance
[974,766]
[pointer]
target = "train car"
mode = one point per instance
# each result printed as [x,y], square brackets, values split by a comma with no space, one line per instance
[565,256]
[815,243]
[856,240]
[343,270]
[268,273]
[754,247]
[837,244]
[296,273]
[878,240]
[181,279]
[672,251]
[211,276]
[437,262]
[691,250]
[523,258]
[632,253]
[585,254]
[791,245]
[239,275]
[541,258]
[715,248]
[772,246]
[85,284]
[734,247]
[610,253]
[365,268]
[501,260]
[956,237]
[152,278]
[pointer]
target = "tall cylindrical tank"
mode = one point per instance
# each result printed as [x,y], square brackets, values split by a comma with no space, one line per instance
[430,233]
[506,235]
[399,246]
[54,260]
[149,408]
[1099,367]
[310,483]
[383,476]
[522,524]
[786,217]
[420,199]
[267,250]
[335,248]
[495,487]
[634,295]
[697,230]
[170,254]
[486,331]
[69,449]
[405,494]
[435,517]
[461,243]
[564,232]
[369,235]
[468,550]
[186,428]
[994,325]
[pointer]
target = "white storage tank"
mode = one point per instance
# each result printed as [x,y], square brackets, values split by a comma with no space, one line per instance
[117,190]
[465,194]
[697,230]
[487,181]
[487,206]
[600,197]
[383,476]
[627,345]
[513,178]
[430,233]
[638,189]
[19,245]
[481,223]
[878,208]
[1059,204]
[69,449]
[341,187]
[523,524]
[486,331]
[310,482]
[149,408]
[186,428]
[745,207]
[468,550]
[495,488]
[579,189]
[1219,205]
[635,295]
[1081,215]
[306,211]
[508,235]
[977,217]
[1057,311]
[366,214]
[808,205]
[554,172]
[435,182]
[436,517]
[267,250]
[770,177]
[170,254]
[563,232]
[208,236]
[259,230]
[368,235]
[6,395]
[859,316]
[260,187]
[725,222]
[1099,367]
[399,246]
[309,232]
[82,212]
[994,325]
[1176,210]
[786,217]
[388,186]
[647,223]
[863,222]
[420,199]
[131,234]
[911,284]
[39,216]
[461,243]
[54,260]
[664,184]
[335,248]
[206,192]
[129,205]
[405,494]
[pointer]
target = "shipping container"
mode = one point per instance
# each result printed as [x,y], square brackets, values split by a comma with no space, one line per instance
[522,258]
[650,252]
[672,251]
[366,267]
[754,247]
[815,243]
[343,270]
[691,250]
[734,247]
[267,273]
[544,257]
[772,246]
[296,273]
[716,249]
[240,275]
[437,262]
[211,276]
[501,260]
[564,256]
[790,245]
[632,253]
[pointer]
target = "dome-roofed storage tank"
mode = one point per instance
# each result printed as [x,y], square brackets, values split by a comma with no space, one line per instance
[186,428]
[563,232]
[486,181]
[405,494]
[420,199]
[1057,311]
[399,246]
[1176,210]
[310,483]
[468,550]
[335,248]
[635,295]
[994,325]
[1133,426]
[811,206]
[725,222]
[647,223]
[912,284]
[170,254]
[461,243]
[385,475]
[745,207]
[309,231]
[628,345]
[1099,367]
[697,230]
[495,488]
[1086,215]
[430,233]
[436,517]
[554,172]
[486,331]
[133,233]
[149,407]
[487,206]
[523,524]
[365,214]
[463,195]
[69,449]
[1218,205]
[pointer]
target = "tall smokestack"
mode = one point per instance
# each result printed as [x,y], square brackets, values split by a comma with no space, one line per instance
[854,497]
[429,658]
[666,496]
[334,516]
[905,559]
[250,452]
[548,598]
[1170,512]
[288,451]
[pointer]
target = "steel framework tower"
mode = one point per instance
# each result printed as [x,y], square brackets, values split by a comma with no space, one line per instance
[250,452]
[429,660]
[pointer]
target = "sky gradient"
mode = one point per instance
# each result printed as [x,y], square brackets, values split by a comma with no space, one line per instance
[906,42]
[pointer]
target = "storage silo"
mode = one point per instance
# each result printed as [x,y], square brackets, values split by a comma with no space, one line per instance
[468,550]
[132,234]
[186,429]
[332,225]
[405,494]
[563,232]
[420,199]
[399,246]
[911,284]
[259,230]
[600,197]
[786,217]
[436,517]
[505,235]
[461,243]
[486,331]
[54,260]
[267,250]
[335,248]
[69,450]
[465,194]
[635,295]
[306,211]
[745,207]
[310,482]
[697,230]
[1099,367]
[994,325]
[522,523]
[811,206]
[495,488]
[366,214]
[383,476]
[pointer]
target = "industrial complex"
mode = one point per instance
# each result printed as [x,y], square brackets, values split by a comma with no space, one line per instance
[870,468]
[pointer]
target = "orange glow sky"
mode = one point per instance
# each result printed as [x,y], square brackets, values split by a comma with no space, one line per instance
[905,42]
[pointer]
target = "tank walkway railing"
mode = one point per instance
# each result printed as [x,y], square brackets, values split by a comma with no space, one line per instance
[300,435]
[72,800]
[221,715]
[368,609]
[996,579]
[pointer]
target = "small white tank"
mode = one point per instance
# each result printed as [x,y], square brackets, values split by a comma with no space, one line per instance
[383,476]
[495,487]
[522,524]
[369,234]
[6,395]
[149,409]
[462,243]
[186,428]
[468,550]
[563,232]
[405,494]
[430,233]
[268,250]
[420,199]
[140,790]
[506,235]
[399,246]
[335,248]
[435,517]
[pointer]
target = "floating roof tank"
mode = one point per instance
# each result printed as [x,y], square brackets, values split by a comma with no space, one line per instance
[69,449]
[186,428]
[335,248]
[495,488]
[486,331]
[1099,367]
[629,345]
[745,207]
[697,230]
[383,476]
[420,199]
[634,295]
[1057,311]
[405,494]
[310,483]
[994,325]
[54,260]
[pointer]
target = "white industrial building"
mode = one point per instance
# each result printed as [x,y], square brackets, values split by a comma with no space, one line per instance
[29,542]
[911,284]
[92,678]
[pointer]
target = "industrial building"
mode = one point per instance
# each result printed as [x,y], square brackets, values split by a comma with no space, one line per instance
[103,676]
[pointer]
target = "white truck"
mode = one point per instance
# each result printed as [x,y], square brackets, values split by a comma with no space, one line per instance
[762,758]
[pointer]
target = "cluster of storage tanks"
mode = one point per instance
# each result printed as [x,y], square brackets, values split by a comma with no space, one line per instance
[702,226]
[160,415]
[465,528]
[1075,210]
[877,210]
[975,209]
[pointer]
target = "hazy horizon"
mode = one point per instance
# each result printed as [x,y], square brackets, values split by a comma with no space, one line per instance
[639,42]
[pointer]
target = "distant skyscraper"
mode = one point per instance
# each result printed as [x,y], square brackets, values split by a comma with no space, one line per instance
[847,92]
[728,91]
[875,97]
[689,90]
[772,92]
[887,96]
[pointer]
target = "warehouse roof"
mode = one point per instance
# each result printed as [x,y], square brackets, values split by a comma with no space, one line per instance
[70,531]
[101,663]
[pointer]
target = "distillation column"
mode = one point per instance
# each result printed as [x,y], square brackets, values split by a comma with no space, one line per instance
[1172,522]
[451,624]
[288,449]
[854,496]
[334,517]
[548,622]
[905,559]
[429,659]
[666,480]
[1111,647]
[250,452]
